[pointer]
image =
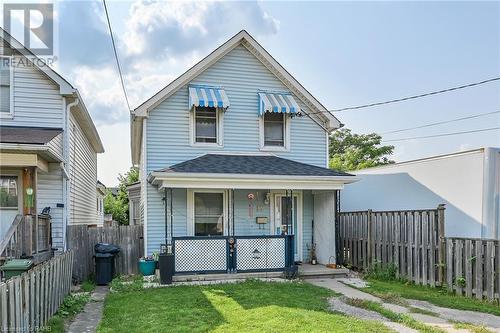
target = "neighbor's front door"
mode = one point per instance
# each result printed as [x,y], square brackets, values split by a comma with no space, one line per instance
[10,201]
[283,217]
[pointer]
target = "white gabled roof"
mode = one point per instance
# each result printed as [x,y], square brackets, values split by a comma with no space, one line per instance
[260,53]
[65,89]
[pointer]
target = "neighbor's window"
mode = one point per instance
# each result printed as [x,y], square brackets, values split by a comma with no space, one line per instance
[206,124]
[5,85]
[208,214]
[274,129]
[8,192]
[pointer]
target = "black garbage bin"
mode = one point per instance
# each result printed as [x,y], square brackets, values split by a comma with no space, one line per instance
[166,268]
[105,262]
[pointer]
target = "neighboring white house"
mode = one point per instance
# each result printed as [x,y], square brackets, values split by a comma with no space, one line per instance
[134,203]
[468,183]
[101,193]
[48,146]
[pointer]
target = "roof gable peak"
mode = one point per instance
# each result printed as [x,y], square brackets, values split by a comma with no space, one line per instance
[245,39]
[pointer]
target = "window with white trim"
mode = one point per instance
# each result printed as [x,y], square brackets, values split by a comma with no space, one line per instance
[208,213]
[5,86]
[206,125]
[274,129]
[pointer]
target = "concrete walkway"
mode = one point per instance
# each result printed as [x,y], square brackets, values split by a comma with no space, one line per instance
[89,318]
[444,318]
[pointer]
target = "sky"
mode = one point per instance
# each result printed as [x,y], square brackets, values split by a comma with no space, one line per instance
[344,53]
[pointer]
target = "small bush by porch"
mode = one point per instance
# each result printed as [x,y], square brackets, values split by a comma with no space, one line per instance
[242,307]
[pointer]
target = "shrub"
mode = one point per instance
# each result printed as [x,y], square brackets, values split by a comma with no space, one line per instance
[122,284]
[88,286]
[382,272]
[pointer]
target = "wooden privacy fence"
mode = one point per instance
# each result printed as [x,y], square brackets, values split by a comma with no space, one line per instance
[28,301]
[413,241]
[82,239]
[473,267]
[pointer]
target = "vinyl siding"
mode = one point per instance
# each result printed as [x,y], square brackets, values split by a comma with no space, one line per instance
[167,139]
[49,194]
[56,144]
[244,224]
[37,102]
[83,177]
[241,75]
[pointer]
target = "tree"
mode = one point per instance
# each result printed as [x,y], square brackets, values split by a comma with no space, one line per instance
[350,151]
[118,205]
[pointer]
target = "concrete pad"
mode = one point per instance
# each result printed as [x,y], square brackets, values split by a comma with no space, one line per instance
[338,305]
[490,321]
[436,322]
[88,320]
[354,282]
[339,287]
[396,308]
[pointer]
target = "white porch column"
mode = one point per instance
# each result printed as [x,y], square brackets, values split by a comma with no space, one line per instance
[324,226]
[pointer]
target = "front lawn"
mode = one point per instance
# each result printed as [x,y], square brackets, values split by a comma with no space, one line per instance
[251,306]
[436,296]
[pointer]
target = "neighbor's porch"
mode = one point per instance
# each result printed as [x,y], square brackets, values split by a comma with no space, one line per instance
[24,232]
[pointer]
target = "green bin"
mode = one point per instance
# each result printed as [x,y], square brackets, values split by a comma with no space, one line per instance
[15,267]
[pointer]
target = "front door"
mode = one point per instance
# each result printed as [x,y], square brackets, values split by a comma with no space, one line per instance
[10,201]
[289,221]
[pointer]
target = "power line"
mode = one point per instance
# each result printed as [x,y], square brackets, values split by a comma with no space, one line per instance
[441,122]
[413,97]
[116,55]
[444,134]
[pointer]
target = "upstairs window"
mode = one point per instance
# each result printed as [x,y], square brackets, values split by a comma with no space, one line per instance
[206,124]
[274,129]
[5,87]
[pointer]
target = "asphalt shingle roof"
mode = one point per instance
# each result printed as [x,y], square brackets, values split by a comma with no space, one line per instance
[28,135]
[250,164]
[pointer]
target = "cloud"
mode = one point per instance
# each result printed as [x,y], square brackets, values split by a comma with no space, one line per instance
[83,34]
[159,41]
[172,29]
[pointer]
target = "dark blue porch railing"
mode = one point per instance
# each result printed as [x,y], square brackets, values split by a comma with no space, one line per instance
[232,254]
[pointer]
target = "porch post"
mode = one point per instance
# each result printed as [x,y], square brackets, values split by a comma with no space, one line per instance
[232,209]
[165,202]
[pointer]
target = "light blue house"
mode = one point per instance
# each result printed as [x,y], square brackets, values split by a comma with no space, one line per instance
[222,151]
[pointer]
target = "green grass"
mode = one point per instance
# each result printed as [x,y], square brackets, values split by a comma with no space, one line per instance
[422,311]
[71,306]
[251,306]
[395,317]
[436,296]
[472,328]
[88,286]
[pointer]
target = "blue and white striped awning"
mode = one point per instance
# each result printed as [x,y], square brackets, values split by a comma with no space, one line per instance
[277,102]
[207,96]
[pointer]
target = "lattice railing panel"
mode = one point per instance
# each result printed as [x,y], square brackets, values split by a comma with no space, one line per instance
[197,255]
[260,253]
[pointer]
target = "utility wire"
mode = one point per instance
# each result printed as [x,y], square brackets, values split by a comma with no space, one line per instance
[116,55]
[444,134]
[441,122]
[412,97]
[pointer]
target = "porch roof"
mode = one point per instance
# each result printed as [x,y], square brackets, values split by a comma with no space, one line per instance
[28,135]
[250,172]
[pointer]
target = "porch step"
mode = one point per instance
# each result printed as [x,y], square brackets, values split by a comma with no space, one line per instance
[308,271]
